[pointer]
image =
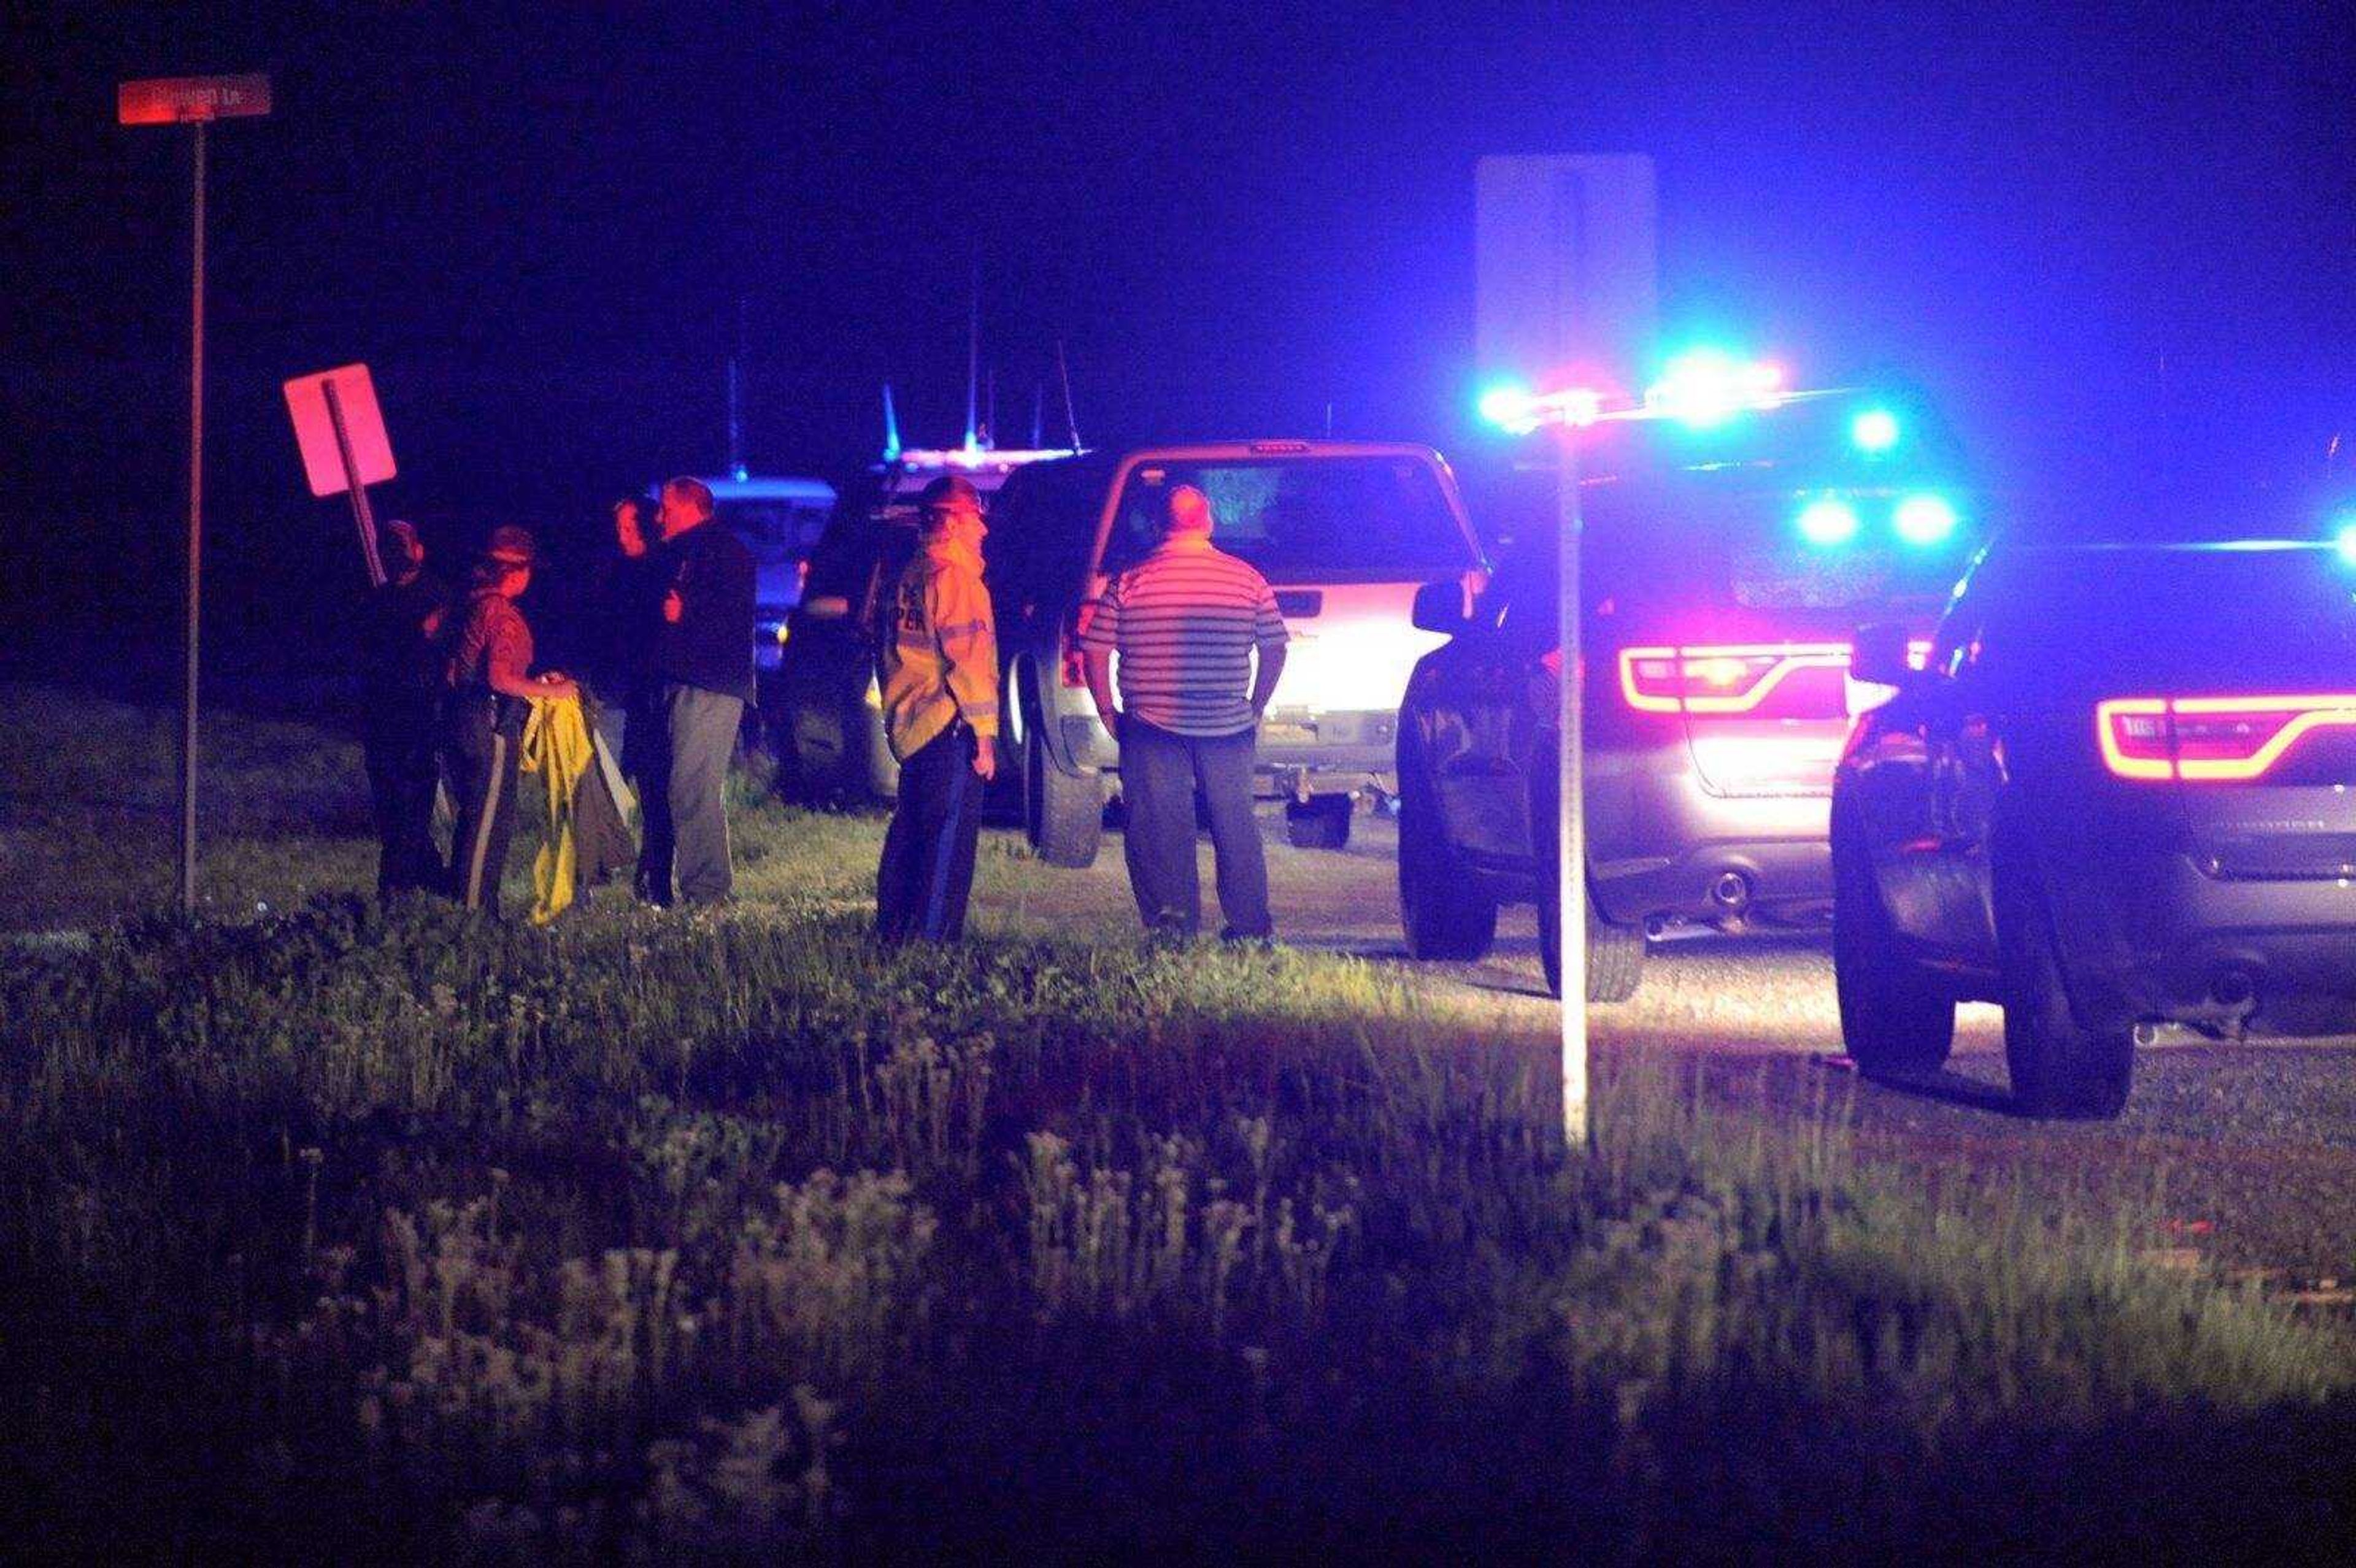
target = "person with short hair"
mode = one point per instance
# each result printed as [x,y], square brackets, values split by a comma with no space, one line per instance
[624,595]
[400,686]
[938,674]
[489,693]
[1186,622]
[702,675]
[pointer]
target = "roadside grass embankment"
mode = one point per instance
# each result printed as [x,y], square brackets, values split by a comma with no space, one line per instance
[707,1234]
[393,1233]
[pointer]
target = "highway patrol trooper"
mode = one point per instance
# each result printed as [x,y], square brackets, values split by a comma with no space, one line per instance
[938,657]
[489,696]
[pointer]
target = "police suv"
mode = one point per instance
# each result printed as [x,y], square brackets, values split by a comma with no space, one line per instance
[1725,569]
[2120,795]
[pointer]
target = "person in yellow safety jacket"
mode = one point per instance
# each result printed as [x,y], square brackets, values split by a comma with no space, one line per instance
[938,654]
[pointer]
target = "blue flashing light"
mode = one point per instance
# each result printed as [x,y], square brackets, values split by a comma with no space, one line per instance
[1874,431]
[1828,521]
[1924,519]
[1708,387]
[1506,405]
[2346,539]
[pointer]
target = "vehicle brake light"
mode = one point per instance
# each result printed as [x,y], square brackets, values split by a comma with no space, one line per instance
[2209,740]
[1731,679]
[1717,679]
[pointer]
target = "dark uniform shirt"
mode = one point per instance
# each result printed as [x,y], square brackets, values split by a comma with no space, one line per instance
[493,631]
[627,595]
[401,660]
[711,645]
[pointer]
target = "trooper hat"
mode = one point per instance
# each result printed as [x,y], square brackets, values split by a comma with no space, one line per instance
[510,544]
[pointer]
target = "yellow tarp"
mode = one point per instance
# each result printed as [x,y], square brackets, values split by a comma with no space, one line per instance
[556,748]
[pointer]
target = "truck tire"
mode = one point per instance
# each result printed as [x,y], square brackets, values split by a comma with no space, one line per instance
[2060,1068]
[1615,953]
[1323,823]
[1444,912]
[1895,1023]
[1063,813]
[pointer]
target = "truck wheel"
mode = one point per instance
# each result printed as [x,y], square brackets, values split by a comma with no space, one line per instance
[1062,814]
[1615,953]
[1894,1023]
[1320,823]
[2058,1068]
[1445,913]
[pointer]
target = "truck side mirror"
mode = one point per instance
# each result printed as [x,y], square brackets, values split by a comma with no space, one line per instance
[1878,654]
[1441,607]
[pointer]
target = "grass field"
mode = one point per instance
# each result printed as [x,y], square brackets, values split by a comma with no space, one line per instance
[367,1231]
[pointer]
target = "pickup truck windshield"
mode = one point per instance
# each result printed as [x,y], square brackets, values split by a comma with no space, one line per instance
[1304,518]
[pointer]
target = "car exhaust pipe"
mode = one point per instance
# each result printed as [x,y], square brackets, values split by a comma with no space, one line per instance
[1730,892]
[2236,988]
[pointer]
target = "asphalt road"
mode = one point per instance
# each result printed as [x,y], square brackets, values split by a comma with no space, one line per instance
[2245,1154]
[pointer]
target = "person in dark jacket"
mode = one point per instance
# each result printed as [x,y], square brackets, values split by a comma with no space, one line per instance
[702,675]
[625,596]
[488,697]
[400,684]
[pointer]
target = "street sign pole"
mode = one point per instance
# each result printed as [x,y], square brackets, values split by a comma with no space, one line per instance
[1565,277]
[187,880]
[1571,818]
[363,519]
[194,102]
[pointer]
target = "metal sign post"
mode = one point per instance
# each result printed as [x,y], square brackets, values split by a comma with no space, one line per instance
[192,101]
[1565,278]
[1570,819]
[363,519]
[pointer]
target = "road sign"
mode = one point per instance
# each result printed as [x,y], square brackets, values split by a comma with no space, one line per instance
[315,429]
[1565,278]
[344,450]
[1565,268]
[183,100]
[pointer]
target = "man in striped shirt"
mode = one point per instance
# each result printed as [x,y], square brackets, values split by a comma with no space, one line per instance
[1186,622]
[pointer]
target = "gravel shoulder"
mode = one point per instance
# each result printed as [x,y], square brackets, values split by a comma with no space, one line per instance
[2242,1156]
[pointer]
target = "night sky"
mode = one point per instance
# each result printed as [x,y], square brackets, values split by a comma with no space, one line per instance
[2114,242]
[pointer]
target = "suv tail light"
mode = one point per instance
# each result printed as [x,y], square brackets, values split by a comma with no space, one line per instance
[1711,679]
[2209,740]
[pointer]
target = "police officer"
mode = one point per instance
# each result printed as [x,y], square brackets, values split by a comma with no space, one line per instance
[489,696]
[940,676]
[401,681]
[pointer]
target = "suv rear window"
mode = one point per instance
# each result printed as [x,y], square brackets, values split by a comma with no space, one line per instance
[1304,517]
[776,531]
[1690,540]
[2180,622]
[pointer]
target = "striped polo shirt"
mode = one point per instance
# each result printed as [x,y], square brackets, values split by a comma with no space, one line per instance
[1184,620]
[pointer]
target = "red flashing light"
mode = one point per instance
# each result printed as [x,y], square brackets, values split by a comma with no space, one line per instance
[2209,740]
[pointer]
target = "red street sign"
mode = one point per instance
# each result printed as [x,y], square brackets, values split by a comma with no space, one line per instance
[177,99]
[315,428]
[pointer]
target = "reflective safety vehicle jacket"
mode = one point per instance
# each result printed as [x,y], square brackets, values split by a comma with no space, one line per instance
[940,650]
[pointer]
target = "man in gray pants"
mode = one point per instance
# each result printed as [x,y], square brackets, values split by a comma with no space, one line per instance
[1186,622]
[702,675]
